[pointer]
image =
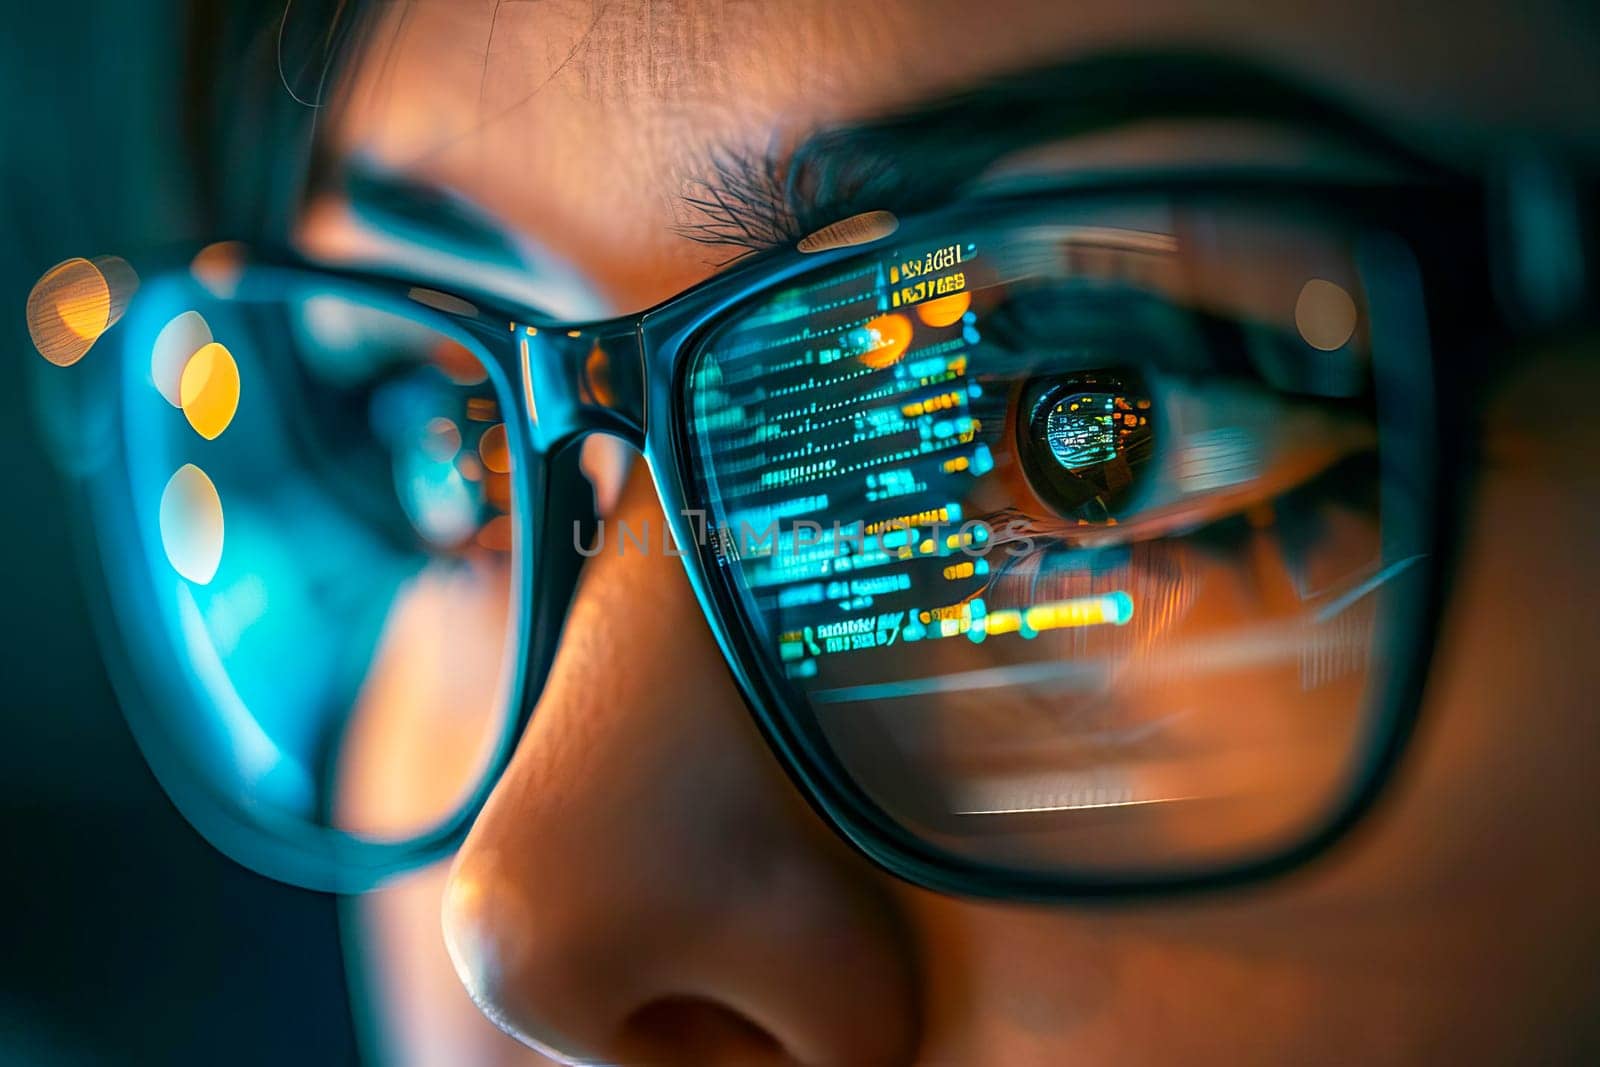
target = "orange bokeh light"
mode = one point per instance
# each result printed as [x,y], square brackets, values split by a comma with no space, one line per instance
[492,449]
[893,333]
[944,310]
[74,303]
[457,362]
[495,534]
[209,390]
[219,266]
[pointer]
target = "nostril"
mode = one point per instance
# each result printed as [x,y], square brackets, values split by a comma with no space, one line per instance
[695,1030]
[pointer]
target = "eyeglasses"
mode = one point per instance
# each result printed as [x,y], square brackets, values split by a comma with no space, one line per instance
[1069,542]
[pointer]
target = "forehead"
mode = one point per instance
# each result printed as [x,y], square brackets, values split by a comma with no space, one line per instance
[581,124]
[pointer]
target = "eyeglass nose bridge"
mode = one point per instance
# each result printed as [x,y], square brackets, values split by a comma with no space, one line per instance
[582,379]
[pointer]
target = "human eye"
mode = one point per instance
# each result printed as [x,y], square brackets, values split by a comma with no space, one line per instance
[1131,416]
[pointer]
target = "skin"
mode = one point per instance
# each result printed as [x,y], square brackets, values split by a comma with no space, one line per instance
[646,886]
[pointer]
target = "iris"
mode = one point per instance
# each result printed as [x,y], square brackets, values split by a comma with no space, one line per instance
[1084,439]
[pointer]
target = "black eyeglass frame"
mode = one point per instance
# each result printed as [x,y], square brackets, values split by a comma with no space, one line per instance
[1444,229]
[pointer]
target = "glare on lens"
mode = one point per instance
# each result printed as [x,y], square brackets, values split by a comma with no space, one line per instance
[597,373]
[191,524]
[1325,314]
[452,305]
[175,346]
[441,439]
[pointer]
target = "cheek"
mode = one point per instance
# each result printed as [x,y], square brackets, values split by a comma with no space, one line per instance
[432,706]
[1509,722]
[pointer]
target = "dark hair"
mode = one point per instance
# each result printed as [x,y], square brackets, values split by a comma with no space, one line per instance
[259,78]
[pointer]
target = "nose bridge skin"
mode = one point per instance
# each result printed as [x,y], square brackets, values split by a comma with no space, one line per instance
[644,885]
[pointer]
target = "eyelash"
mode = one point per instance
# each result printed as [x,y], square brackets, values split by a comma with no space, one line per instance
[744,205]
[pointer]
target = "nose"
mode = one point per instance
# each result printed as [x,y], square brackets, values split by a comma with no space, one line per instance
[644,885]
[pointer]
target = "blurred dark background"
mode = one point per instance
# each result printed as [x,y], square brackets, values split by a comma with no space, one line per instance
[127,939]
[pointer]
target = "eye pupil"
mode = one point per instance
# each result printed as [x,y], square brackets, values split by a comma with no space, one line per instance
[1083,431]
[1085,439]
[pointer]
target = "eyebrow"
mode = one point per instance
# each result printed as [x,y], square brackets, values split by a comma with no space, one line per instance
[925,157]
[425,213]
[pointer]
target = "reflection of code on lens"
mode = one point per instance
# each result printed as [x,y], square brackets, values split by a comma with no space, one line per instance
[848,430]
[1054,518]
